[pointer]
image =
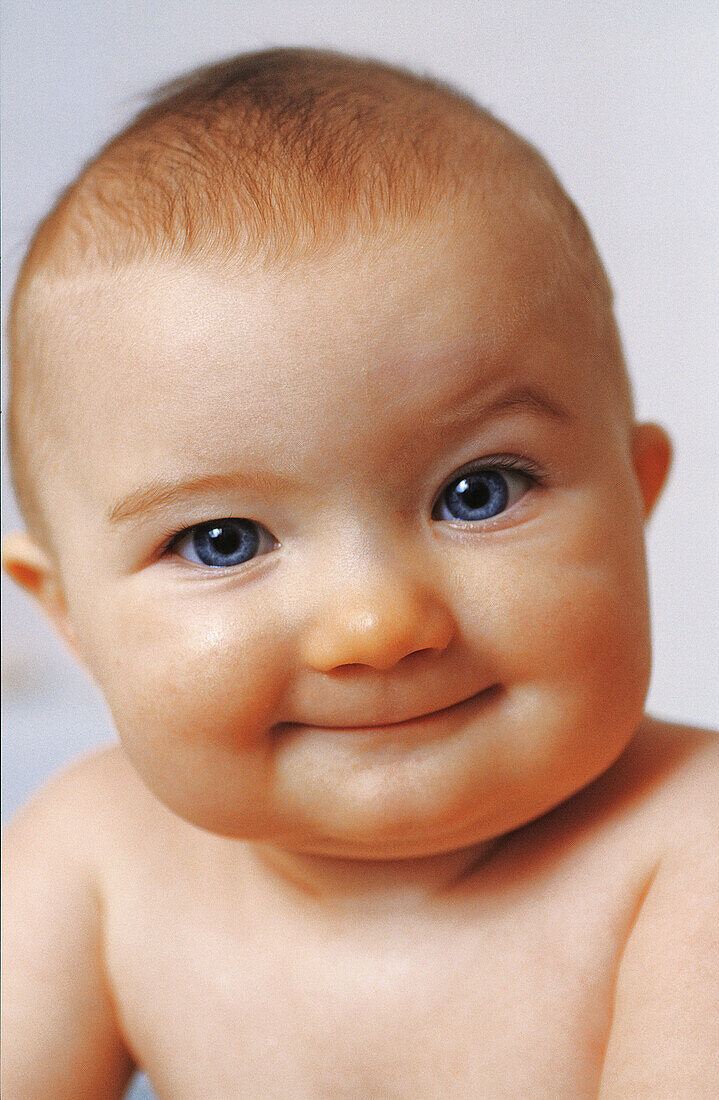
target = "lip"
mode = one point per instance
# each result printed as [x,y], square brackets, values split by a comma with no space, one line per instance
[420,722]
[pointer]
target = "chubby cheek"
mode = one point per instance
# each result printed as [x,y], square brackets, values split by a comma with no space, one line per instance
[566,625]
[193,691]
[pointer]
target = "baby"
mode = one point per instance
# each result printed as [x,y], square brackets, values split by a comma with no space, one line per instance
[325,445]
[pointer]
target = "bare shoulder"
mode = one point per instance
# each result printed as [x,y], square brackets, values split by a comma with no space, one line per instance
[658,796]
[684,811]
[680,766]
[73,812]
[667,990]
[61,1033]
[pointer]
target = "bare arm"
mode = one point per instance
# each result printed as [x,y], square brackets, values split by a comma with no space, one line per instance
[664,1040]
[60,1035]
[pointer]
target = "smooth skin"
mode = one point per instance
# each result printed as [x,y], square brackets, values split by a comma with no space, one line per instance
[387,819]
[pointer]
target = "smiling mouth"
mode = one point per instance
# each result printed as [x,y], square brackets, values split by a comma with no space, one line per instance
[454,710]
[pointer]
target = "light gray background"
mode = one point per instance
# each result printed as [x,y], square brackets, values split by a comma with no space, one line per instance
[622,98]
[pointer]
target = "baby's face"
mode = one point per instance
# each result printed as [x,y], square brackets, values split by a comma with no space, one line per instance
[354,548]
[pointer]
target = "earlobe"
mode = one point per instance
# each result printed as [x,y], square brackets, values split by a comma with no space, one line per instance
[33,569]
[651,458]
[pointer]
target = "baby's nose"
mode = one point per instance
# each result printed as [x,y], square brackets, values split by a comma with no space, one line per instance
[376,626]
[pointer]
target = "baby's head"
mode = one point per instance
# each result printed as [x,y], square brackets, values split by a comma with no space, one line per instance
[323,436]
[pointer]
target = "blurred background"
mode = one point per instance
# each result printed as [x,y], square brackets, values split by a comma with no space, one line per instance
[621,96]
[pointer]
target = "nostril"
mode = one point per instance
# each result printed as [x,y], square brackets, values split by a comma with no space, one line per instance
[350,669]
[378,630]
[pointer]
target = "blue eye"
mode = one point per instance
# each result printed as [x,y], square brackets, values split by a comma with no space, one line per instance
[481,494]
[222,543]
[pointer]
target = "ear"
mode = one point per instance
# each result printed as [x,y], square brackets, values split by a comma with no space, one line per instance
[34,569]
[651,459]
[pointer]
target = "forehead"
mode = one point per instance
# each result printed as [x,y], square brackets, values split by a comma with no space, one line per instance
[166,356]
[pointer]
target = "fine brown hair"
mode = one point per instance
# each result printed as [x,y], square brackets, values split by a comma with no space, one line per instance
[268,155]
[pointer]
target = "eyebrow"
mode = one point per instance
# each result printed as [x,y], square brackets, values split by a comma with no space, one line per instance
[526,399]
[160,493]
[530,399]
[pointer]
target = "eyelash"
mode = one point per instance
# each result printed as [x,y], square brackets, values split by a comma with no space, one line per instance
[169,540]
[517,463]
[503,462]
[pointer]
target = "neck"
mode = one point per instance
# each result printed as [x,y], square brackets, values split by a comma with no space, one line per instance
[367,885]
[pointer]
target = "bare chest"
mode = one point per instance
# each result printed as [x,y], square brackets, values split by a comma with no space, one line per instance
[504,1003]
